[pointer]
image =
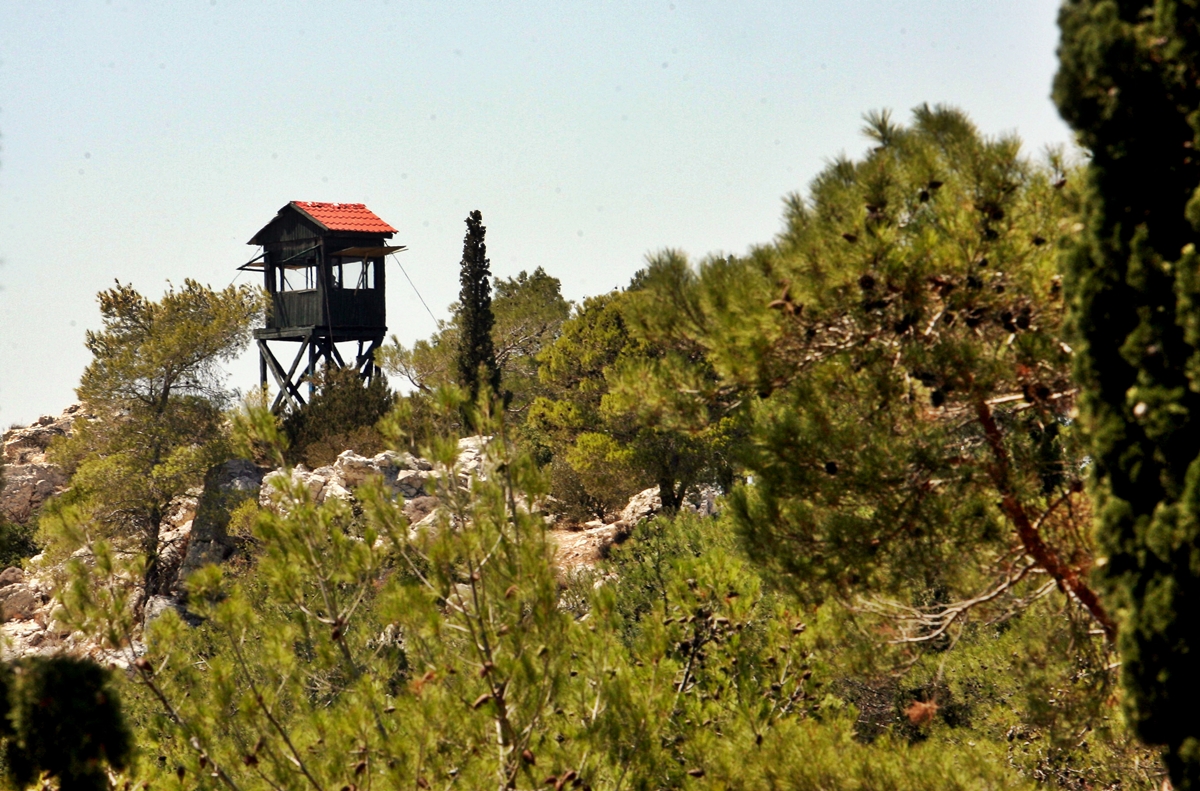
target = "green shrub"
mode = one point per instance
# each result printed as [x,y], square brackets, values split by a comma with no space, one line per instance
[340,416]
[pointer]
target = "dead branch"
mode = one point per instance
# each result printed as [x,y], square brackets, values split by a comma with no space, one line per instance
[924,624]
[1036,547]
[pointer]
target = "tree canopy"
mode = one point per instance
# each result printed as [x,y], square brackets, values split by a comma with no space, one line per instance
[341,415]
[528,311]
[899,354]
[897,591]
[612,446]
[157,391]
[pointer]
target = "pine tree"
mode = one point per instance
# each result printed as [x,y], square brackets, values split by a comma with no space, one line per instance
[476,353]
[897,355]
[156,386]
[1127,84]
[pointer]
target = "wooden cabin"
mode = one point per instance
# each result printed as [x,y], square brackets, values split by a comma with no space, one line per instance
[323,266]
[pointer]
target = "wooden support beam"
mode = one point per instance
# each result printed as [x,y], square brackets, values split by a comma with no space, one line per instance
[295,388]
[284,380]
[366,360]
[336,354]
[310,372]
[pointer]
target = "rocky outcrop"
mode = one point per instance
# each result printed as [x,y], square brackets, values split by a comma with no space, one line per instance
[404,474]
[29,480]
[589,544]
[647,503]
[225,488]
[195,531]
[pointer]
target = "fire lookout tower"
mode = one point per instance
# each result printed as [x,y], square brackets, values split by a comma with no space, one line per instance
[322,264]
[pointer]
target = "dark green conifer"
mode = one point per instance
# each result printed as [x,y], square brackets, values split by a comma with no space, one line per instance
[476,353]
[1128,85]
[63,719]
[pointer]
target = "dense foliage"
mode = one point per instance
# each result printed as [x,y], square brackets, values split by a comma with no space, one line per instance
[354,651]
[60,718]
[1128,84]
[896,594]
[599,448]
[341,414]
[899,354]
[528,311]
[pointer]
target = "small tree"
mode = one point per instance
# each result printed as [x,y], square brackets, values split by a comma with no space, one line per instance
[62,719]
[611,446]
[156,387]
[476,352]
[528,312]
[897,354]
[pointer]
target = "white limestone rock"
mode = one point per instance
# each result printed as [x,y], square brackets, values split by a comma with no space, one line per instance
[642,506]
[354,469]
[411,483]
[29,479]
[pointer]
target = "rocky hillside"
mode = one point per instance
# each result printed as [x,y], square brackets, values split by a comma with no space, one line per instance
[195,531]
[29,480]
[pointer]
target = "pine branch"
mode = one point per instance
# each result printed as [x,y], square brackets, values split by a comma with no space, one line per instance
[1065,575]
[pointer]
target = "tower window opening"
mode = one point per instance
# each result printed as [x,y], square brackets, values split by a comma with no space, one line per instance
[297,278]
[366,276]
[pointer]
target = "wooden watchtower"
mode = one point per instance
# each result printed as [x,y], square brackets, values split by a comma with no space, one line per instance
[322,264]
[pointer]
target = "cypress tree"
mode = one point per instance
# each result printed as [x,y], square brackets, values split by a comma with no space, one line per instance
[476,353]
[1127,83]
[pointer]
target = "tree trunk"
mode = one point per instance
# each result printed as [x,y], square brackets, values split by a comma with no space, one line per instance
[152,582]
[671,500]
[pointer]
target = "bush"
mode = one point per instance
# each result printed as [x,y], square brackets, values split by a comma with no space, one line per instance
[16,542]
[341,415]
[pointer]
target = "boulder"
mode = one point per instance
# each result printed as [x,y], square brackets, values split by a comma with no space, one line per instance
[28,444]
[411,483]
[182,510]
[272,492]
[27,638]
[425,523]
[26,487]
[402,461]
[336,491]
[29,480]
[419,507]
[157,606]
[18,603]
[471,457]
[173,543]
[704,501]
[11,576]
[226,487]
[389,461]
[355,469]
[642,506]
[237,475]
[584,548]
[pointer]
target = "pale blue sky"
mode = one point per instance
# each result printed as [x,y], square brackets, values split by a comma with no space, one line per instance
[148,141]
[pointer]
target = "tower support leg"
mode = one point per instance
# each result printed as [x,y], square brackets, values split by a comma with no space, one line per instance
[288,391]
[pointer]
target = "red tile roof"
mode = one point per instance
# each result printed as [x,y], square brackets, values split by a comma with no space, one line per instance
[344,216]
